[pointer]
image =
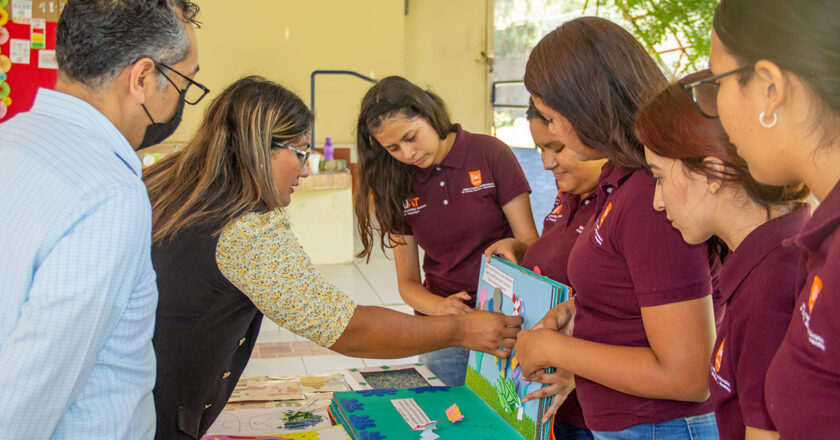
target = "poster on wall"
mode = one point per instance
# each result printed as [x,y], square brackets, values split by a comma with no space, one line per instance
[27,52]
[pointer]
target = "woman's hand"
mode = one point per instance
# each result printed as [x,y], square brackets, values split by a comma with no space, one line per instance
[453,304]
[561,318]
[510,249]
[560,384]
[489,332]
[530,347]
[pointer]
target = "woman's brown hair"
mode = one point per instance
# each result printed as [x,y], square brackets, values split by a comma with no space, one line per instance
[225,171]
[670,126]
[384,182]
[596,75]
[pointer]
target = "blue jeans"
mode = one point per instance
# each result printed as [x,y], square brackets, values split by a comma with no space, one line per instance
[703,427]
[567,431]
[448,364]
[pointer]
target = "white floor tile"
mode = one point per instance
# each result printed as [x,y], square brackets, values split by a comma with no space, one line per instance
[281,335]
[285,366]
[330,364]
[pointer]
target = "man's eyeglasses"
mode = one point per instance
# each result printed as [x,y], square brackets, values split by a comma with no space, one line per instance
[194,92]
[303,156]
[704,92]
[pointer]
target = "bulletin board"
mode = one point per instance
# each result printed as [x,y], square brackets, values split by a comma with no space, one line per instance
[27,52]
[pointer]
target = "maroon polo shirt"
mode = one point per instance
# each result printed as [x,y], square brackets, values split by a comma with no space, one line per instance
[551,251]
[456,210]
[551,218]
[551,254]
[758,285]
[629,256]
[802,388]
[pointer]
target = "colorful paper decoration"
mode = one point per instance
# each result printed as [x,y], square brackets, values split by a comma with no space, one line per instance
[453,413]
[506,392]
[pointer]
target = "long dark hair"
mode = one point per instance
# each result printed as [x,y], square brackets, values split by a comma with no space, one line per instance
[802,37]
[596,75]
[225,171]
[670,126]
[384,182]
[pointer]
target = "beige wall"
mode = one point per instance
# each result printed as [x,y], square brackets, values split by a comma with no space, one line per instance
[437,45]
[250,38]
[443,44]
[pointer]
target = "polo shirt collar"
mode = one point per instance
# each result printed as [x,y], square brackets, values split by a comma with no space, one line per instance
[75,111]
[824,222]
[612,178]
[456,158]
[755,247]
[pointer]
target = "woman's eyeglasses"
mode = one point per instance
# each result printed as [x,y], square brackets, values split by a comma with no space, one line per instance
[704,92]
[303,156]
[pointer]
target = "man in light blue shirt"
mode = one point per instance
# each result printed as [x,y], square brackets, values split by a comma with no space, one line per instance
[77,288]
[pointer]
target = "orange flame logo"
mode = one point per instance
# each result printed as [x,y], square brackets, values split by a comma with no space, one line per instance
[816,288]
[719,355]
[604,215]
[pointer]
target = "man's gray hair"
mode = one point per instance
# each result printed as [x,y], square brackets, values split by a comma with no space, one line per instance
[97,39]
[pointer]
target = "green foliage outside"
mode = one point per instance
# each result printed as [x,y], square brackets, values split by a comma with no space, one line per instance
[661,26]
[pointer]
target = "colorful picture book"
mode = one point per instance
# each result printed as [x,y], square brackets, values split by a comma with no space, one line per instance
[513,290]
[418,413]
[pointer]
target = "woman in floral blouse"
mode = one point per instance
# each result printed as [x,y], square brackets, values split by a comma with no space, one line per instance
[225,256]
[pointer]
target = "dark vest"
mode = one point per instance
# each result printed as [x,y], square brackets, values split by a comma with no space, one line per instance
[205,331]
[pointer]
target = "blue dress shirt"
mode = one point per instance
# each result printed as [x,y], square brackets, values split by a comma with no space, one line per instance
[77,288]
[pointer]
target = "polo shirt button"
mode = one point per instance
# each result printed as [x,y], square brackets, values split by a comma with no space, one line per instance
[225,376]
[585,203]
[208,405]
[441,183]
[609,190]
[242,341]
[446,202]
[437,168]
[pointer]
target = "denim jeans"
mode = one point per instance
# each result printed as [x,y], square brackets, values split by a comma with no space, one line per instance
[703,427]
[566,431]
[448,364]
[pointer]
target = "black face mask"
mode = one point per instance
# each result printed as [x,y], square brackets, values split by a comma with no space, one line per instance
[157,132]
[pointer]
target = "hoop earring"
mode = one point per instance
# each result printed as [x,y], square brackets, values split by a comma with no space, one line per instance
[770,124]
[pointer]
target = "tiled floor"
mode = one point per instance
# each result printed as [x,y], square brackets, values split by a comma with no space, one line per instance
[281,353]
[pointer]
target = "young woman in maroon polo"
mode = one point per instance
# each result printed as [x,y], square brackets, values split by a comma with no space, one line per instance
[777,67]
[549,255]
[706,190]
[426,182]
[640,330]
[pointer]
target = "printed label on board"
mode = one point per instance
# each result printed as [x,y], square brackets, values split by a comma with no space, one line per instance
[19,51]
[46,60]
[38,33]
[21,11]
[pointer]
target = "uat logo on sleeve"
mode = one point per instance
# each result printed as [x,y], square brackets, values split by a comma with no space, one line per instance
[816,288]
[475,177]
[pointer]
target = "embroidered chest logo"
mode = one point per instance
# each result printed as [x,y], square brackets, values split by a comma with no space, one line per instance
[477,183]
[557,210]
[715,370]
[475,178]
[598,237]
[412,206]
[806,310]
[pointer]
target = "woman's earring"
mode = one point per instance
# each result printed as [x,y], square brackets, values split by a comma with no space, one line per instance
[767,124]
